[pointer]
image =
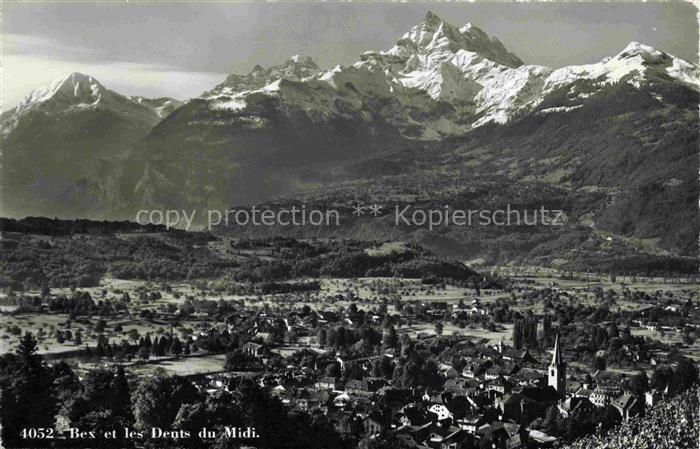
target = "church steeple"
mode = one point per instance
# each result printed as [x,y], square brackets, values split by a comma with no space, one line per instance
[556,356]
[557,369]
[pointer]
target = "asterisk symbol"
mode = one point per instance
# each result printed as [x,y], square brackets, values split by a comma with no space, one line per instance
[358,209]
[375,209]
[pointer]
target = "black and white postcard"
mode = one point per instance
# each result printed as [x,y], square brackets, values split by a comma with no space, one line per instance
[349,225]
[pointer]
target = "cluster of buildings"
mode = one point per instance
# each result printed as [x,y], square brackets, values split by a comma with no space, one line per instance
[493,399]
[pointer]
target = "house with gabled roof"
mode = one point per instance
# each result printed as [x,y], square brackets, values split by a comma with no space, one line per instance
[574,405]
[375,423]
[628,405]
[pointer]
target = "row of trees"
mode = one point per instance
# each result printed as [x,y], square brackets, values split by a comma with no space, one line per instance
[525,331]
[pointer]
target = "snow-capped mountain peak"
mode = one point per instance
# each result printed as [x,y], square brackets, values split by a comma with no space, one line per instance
[81,84]
[466,27]
[437,80]
[75,88]
[78,92]
[635,48]
[435,64]
[636,63]
[434,34]
[660,63]
[296,68]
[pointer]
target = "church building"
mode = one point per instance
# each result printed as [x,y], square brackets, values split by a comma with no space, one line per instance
[557,370]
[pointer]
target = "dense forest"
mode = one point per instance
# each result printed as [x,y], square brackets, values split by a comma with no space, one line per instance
[75,259]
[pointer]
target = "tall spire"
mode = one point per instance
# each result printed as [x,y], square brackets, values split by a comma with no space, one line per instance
[556,356]
[557,370]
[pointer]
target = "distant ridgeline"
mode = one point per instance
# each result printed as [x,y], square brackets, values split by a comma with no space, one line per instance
[55,226]
[81,253]
[153,252]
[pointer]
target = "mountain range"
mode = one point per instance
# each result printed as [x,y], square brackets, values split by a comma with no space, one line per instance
[447,113]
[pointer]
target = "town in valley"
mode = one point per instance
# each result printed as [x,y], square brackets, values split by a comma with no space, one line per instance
[315,343]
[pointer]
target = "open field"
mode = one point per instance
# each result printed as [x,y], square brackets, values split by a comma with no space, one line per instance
[545,276]
[475,333]
[184,366]
[46,324]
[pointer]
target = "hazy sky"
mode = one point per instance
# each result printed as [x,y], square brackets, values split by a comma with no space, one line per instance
[181,50]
